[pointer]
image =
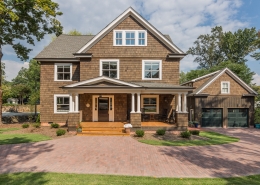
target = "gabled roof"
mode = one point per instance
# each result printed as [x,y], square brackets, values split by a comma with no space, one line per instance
[217,74]
[140,19]
[64,46]
[200,78]
[96,81]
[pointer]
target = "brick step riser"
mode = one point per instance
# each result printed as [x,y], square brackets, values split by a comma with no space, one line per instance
[101,134]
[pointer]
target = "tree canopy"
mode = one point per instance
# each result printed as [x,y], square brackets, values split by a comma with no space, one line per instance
[212,49]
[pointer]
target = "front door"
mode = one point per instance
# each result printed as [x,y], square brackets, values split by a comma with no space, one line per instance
[103,109]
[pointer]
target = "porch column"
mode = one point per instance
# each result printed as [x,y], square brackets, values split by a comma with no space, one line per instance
[133,103]
[184,103]
[138,103]
[179,102]
[71,103]
[76,102]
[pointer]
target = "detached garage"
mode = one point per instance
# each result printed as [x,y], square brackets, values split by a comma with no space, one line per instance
[211,117]
[237,117]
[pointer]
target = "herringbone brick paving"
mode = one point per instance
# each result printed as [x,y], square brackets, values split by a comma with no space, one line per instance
[119,155]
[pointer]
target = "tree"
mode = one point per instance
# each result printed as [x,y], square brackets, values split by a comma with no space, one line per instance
[256,55]
[212,49]
[183,77]
[21,91]
[241,70]
[26,20]
[74,32]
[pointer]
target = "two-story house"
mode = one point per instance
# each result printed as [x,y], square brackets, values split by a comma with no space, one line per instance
[128,69]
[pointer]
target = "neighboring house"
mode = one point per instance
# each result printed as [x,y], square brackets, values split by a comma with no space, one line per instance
[221,99]
[128,69]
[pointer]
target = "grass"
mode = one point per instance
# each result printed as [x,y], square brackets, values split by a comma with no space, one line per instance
[21,138]
[214,139]
[7,129]
[70,179]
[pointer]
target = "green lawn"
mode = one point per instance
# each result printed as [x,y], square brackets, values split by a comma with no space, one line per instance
[7,129]
[214,139]
[21,138]
[70,179]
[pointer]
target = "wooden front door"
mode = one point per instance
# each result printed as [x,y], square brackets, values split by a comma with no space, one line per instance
[103,109]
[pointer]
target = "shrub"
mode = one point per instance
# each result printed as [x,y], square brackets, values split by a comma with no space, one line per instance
[38,120]
[60,132]
[37,125]
[190,124]
[195,132]
[139,133]
[55,125]
[160,132]
[25,125]
[185,134]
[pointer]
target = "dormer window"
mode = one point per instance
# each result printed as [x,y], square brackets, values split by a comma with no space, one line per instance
[225,87]
[130,37]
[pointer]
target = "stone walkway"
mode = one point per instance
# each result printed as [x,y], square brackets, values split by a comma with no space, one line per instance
[119,155]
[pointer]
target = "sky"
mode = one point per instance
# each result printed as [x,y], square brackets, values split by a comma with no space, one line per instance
[183,20]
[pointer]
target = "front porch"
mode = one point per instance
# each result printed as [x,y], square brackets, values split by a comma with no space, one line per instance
[117,128]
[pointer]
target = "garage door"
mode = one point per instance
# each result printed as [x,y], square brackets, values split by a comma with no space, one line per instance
[211,118]
[237,117]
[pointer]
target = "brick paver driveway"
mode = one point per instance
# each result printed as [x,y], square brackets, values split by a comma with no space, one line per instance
[125,156]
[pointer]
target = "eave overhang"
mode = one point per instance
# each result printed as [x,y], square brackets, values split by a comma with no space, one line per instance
[82,55]
[176,55]
[57,59]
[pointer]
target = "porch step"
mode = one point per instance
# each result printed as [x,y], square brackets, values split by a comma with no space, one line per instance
[102,133]
[112,129]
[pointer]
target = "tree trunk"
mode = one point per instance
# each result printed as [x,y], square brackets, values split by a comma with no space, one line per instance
[1,55]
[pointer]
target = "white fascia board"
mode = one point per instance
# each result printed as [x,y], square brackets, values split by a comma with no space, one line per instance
[117,20]
[102,78]
[240,81]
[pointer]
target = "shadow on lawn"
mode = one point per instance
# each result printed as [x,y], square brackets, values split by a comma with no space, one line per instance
[23,178]
[16,157]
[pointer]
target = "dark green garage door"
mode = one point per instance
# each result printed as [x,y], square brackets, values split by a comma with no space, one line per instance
[237,117]
[211,118]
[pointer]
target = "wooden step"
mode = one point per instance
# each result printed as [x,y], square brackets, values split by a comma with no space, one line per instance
[101,133]
[103,129]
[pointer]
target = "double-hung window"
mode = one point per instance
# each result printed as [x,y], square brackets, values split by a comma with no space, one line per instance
[119,38]
[225,87]
[61,103]
[141,38]
[130,37]
[152,70]
[150,103]
[63,72]
[109,68]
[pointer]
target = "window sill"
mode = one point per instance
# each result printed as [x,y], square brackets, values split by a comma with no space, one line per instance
[151,79]
[62,80]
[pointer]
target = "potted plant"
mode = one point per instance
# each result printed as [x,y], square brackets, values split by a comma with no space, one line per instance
[79,128]
[127,127]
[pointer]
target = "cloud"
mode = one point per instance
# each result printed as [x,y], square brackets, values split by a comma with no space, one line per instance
[12,68]
[256,79]
[183,20]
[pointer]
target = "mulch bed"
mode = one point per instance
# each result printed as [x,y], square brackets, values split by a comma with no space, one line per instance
[47,131]
[169,136]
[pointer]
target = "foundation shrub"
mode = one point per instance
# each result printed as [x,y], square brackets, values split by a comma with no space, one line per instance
[185,134]
[60,132]
[160,132]
[195,132]
[36,125]
[55,125]
[139,133]
[25,125]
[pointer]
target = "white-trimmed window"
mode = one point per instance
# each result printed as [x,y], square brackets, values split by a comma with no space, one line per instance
[61,103]
[130,38]
[109,68]
[151,69]
[63,72]
[225,87]
[150,104]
